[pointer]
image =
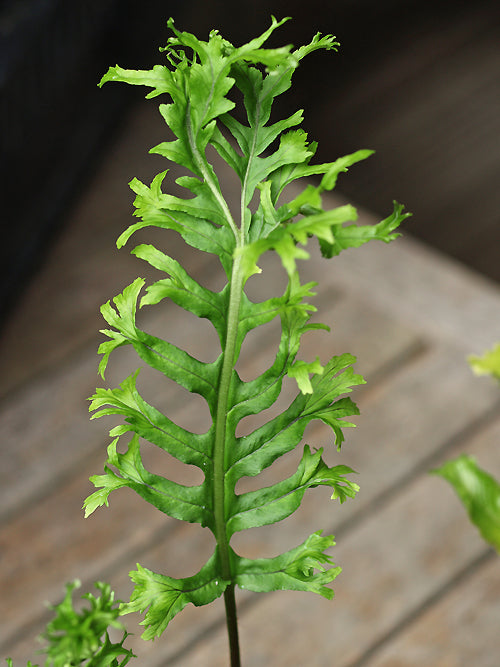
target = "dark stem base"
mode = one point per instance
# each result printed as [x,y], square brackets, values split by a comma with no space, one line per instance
[232,626]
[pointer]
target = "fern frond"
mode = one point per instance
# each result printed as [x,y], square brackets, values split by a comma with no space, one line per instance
[267,157]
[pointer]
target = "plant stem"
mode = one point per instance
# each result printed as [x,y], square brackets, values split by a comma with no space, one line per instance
[219,457]
[222,406]
[232,626]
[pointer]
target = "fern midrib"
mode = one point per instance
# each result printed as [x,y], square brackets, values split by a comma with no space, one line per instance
[235,298]
[221,418]
[235,295]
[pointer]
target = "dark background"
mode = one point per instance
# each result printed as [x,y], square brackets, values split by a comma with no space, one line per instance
[417,81]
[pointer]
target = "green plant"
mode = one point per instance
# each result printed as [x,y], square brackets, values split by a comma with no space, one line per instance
[478,491]
[80,637]
[488,363]
[209,84]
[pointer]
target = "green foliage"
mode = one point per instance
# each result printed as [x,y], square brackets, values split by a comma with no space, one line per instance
[479,493]
[476,488]
[199,79]
[81,637]
[488,363]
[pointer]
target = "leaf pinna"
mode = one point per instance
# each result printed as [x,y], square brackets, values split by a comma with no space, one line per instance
[196,80]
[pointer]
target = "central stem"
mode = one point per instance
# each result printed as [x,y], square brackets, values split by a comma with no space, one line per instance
[232,626]
[220,456]
[236,290]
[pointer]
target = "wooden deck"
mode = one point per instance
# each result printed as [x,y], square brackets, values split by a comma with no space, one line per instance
[418,587]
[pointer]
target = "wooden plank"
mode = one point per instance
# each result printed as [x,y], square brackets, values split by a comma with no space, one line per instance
[392,440]
[436,295]
[393,561]
[433,110]
[293,530]
[387,307]
[62,547]
[47,424]
[44,458]
[461,629]
[51,412]
[60,309]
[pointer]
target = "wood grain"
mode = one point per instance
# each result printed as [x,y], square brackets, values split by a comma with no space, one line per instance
[411,317]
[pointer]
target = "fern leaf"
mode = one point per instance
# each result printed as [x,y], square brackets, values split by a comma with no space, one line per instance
[199,83]
[163,597]
[304,568]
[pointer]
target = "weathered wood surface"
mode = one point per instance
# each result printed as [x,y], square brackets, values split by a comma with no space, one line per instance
[430,107]
[418,585]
